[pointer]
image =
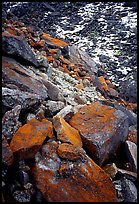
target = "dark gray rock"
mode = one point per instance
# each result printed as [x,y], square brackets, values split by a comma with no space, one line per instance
[19,49]
[10,122]
[131,154]
[13,97]
[129,190]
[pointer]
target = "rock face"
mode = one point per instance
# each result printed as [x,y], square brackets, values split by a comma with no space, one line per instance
[66,133]
[29,138]
[102,129]
[66,181]
[18,48]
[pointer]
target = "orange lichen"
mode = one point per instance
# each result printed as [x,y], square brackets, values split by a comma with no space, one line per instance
[65,132]
[54,41]
[31,135]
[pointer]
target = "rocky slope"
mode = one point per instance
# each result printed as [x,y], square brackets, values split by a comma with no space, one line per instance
[68,132]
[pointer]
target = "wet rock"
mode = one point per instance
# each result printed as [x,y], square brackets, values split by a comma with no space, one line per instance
[18,48]
[23,78]
[102,129]
[129,190]
[21,196]
[29,138]
[78,56]
[10,122]
[7,154]
[13,97]
[53,107]
[131,154]
[66,133]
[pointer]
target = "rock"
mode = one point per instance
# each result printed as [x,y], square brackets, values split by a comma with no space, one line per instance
[63,180]
[129,190]
[131,154]
[132,119]
[66,133]
[125,173]
[102,129]
[78,56]
[132,134]
[53,41]
[29,138]
[53,107]
[10,122]
[113,92]
[128,90]
[13,97]
[23,78]
[110,169]
[18,48]
[53,91]
[7,154]
[70,152]
[23,177]
[66,113]
[21,196]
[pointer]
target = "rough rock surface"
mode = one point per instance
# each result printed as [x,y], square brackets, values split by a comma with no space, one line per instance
[7,154]
[29,138]
[66,133]
[102,129]
[65,181]
[18,48]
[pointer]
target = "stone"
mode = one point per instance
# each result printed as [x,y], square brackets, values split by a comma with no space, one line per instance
[112,92]
[14,73]
[66,133]
[53,91]
[14,97]
[53,107]
[29,138]
[61,180]
[110,169]
[102,129]
[70,152]
[53,41]
[129,190]
[131,154]
[132,134]
[18,48]
[10,122]
[66,112]
[7,154]
[78,56]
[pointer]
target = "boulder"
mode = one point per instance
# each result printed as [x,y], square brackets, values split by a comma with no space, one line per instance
[78,56]
[18,48]
[66,133]
[14,97]
[29,138]
[102,129]
[61,180]
[18,75]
